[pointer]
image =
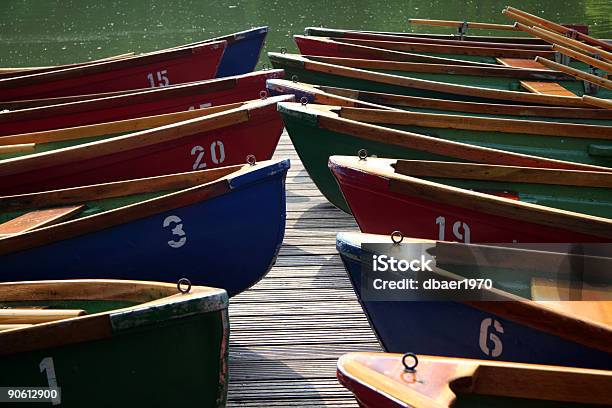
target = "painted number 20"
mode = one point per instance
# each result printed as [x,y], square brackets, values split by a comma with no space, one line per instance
[217,154]
[461,231]
[159,78]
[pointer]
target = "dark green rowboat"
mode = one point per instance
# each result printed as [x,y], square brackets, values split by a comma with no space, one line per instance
[318,132]
[139,343]
[307,70]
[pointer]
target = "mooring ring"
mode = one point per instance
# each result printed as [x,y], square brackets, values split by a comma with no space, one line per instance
[251,159]
[415,362]
[397,237]
[263,94]
[181,282]
[362,154]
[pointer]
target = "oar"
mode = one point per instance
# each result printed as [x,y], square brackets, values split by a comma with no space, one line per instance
[549,25]
[599,102]
[594,79]
[554,38]
[33,316]
[458,24]
[18,148]
[13,326]
[594,62]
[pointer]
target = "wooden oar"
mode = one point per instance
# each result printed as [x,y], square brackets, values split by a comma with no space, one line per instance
[554,38]
[594,79]
[34,316]
[458,24]
[17,148]
[38,219]
[599,102]
[549,25]
[13,326]
[594,62]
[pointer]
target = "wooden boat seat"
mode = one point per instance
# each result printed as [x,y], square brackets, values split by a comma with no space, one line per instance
[37,219]
[521,63]
[591,302]
[546,88]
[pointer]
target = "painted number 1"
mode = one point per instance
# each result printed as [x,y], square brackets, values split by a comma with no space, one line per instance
[159,79]
[461,231]
[46,365]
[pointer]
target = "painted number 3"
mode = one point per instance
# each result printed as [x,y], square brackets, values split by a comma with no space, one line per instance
[176,225]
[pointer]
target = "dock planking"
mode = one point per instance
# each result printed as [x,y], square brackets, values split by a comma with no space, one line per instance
[288,330]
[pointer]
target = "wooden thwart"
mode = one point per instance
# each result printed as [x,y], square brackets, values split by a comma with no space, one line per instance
[34,316]
[546,88]
[37,219]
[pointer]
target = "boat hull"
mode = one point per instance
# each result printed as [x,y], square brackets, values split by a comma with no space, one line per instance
[190,96]
[455,329]
[215,251]
[210,149]
[242,52]
[182,65]
[379,210]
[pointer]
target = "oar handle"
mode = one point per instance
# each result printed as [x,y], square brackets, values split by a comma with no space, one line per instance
[457,24]
[594,79]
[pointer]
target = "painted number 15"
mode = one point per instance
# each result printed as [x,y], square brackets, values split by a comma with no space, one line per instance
[159,78]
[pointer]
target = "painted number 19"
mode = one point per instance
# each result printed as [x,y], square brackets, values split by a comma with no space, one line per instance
[461,231]
[159,78]
[46,365]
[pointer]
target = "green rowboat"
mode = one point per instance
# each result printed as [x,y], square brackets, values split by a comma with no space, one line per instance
[318,132]
[115,343]
[307,70]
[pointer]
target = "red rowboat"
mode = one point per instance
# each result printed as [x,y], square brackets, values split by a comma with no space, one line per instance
[216,140]
[144,103]
[381,380]
[158,69]
[387,195]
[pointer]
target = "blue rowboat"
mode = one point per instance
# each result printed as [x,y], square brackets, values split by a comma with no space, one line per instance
[242,51]
[516,330]
[221,227]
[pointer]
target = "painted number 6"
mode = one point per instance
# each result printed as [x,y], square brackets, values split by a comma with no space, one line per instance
[180,238]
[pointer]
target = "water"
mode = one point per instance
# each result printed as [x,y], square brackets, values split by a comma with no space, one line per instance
[48,32]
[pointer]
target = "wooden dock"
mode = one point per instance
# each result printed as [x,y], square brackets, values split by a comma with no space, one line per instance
[288,330]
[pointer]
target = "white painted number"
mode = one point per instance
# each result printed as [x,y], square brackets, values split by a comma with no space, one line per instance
[486,336]
[461,236]
[217,154]
[47,366]
[177,230]
[199,152]
[159,79]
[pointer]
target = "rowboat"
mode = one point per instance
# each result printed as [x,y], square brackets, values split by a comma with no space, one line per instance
[365,34]
[327,95]
[209,141]
[381,380]
[161,228]
[137,104]
[539,329]
[589,144]
[27,144]
[501,77]
[318,133]
[66,159]
[487,55]
[305,69]
[240,57]
[131,336]
[158,69]
[476,202]
[328,47]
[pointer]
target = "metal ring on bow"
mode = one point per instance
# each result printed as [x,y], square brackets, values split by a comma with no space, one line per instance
[397,237]
[263,94]
[362,154]
[304,101]
[283,50]
[183,282]
[415,362]
[294,78]
[251,159]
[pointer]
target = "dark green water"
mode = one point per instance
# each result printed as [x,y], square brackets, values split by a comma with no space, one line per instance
[45,32]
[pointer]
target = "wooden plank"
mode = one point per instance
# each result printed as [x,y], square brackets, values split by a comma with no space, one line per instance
[546,88]
[520,63]
[37,219]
